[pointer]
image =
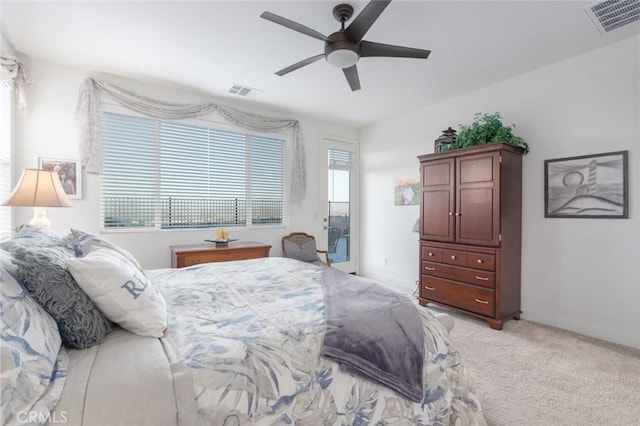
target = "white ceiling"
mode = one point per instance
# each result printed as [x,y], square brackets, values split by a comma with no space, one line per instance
[210,45]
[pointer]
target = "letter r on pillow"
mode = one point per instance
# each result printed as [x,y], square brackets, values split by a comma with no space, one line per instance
[131,287]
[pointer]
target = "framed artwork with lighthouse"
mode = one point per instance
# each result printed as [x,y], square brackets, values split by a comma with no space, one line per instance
[587,186]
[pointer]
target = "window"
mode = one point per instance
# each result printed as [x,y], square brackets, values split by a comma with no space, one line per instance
[5,159]
[175,175]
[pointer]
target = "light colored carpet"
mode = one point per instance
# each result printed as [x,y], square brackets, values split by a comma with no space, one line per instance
[532,374]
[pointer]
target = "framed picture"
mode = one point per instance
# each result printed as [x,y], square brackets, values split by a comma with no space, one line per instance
[406,192]
[587,186]
[69,172]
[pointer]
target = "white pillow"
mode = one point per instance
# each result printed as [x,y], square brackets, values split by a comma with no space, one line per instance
[120,291]
[84,243]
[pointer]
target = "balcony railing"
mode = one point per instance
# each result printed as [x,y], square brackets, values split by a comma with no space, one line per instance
[339,231]
[180,213]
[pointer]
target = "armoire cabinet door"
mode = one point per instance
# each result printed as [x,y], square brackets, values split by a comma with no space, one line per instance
[438,200]
[478,199]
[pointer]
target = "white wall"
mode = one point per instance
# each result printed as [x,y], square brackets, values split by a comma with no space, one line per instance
[578,274]
[47,130]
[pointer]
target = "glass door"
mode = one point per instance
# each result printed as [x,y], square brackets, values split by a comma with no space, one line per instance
[341,209]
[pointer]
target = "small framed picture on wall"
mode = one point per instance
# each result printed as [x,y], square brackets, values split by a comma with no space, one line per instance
[69,172]
[406,191]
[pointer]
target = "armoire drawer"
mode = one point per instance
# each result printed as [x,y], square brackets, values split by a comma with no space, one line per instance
[451,256]
[481,261]
[433,254]
[454,257]
[472,298]
[471,276]
[467,258]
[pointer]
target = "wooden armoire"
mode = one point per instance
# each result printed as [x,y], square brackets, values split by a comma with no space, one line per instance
[470,231]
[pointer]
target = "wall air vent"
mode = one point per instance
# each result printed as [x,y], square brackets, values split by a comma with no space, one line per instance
[611,14]
[240,90]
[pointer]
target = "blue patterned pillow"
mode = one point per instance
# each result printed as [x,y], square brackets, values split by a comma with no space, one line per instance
[36,236]
[45,274]
[29,345]
[30,236]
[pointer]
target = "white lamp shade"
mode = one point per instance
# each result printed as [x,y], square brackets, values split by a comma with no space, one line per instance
[38,188]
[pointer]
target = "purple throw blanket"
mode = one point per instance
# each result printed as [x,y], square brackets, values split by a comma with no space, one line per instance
[374,331]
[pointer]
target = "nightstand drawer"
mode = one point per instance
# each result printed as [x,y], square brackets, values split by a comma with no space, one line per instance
[472,298]
[222,256]
[472,276]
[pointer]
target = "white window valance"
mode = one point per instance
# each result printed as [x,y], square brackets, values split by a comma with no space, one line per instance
[88,123]
[16,76]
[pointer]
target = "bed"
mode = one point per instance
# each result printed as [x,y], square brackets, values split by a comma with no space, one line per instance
[244,344]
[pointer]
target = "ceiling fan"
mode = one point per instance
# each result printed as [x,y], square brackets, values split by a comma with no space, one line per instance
[345,47]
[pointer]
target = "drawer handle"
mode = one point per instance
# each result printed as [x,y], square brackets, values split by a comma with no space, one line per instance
[430,254]
[453,257]
[482,278]
[429,269]
[484,302]
[479,260]
[429,288]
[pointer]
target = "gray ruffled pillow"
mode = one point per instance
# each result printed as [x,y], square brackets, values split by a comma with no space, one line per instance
[45,274]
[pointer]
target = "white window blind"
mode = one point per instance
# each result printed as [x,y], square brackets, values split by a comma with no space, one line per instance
[339,159]
[173,175]
[5,160]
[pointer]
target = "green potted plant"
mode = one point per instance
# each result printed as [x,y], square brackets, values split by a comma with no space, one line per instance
[488,128]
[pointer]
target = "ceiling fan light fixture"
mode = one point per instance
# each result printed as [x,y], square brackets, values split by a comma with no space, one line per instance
[342,58]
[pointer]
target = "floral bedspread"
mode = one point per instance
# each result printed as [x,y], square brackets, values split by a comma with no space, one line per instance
[251,333]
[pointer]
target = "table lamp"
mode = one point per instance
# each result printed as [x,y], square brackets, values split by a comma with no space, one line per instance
[38,189]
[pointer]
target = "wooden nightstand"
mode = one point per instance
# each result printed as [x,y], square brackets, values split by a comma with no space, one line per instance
[187,255]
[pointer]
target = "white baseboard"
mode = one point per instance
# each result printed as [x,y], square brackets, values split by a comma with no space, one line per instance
[599,331]
[398,284]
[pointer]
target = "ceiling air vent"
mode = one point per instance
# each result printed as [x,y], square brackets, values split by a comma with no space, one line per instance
[240,90]
[611,14]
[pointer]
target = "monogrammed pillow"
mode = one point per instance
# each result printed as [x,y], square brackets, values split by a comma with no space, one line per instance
[120,290]
[84,243]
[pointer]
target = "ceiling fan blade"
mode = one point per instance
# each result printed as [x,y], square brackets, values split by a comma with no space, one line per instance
[293,25]
[368,48]
[300,64]
[352,77]
[361,24]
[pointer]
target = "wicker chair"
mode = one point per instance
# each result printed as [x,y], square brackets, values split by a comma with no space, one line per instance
[304,242]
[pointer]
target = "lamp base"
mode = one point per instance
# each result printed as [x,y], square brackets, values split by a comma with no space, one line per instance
[40,217]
